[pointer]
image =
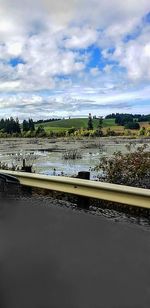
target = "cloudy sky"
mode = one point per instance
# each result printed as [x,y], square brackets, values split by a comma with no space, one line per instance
[72,57]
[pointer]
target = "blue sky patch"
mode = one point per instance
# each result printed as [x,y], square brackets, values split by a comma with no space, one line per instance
[146,18]
[97,59]
[15,61]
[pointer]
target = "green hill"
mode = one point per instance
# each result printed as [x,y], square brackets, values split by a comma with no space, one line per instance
[76,122]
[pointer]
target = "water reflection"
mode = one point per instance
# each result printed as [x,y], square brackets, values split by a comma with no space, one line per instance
[47,155]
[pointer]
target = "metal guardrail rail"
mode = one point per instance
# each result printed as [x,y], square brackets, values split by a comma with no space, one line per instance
[111,192]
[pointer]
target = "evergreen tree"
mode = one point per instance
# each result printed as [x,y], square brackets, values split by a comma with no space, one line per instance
[40,131]
[31,125]
[100,126]
[90,122]
[100,123]
[2,124]
[25,126]
[7,127]
[17,126]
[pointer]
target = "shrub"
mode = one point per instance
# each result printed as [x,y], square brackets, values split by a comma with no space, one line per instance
[40,132]
[110,132]
[142,131]
[93,133]
[148,132]
[28,134]
[3,135]
[83,132]
[132,125]
[55,134]
[131,169]
[72,154]
[71,130]
[98,133]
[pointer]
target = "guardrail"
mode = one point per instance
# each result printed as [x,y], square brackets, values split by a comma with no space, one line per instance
[111,192]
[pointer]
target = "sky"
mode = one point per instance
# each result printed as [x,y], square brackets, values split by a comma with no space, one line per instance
[74,57]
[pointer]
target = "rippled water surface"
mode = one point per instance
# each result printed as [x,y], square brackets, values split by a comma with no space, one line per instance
[47,155]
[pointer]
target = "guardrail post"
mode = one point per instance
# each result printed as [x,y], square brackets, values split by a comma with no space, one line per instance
[83,202]
[25,189]
[26,168]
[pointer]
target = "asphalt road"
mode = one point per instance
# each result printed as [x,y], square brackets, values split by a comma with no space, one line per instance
[55,257]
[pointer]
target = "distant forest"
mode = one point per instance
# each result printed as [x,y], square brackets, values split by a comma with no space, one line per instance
[126,117]
[129,121]
[48,120]
[12,126]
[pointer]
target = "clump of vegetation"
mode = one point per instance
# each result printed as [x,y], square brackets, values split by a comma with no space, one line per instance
[132,125]
[3,166]
[28,125]
[40,132]
[131,169]
[99,129]
[10,126]
[71,131]
[131,145]
[110,132]
[19,162]
[72,154]
[18,158]
[142,131]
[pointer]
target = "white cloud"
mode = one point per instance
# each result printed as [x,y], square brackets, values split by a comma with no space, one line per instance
[81,37]
[46,35]
[135,57]
[9,85]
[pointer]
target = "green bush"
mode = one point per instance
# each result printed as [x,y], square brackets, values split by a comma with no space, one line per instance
[72,154]
[148,132]
[28,134]
[132,125]
[71,130]
[40,132]
[110,132]
[60,133]
[142,131]
[99,133]
[131,169]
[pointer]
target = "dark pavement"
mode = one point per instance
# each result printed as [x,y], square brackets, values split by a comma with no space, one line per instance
[56,257]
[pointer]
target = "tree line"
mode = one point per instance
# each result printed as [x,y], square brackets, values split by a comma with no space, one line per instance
[126,117]
[129,121]
[28,125]
[47,120]
[12,126]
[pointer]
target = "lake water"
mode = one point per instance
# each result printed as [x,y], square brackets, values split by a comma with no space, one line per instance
[47,156]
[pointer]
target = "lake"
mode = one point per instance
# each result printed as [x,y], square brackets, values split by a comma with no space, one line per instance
[46,155]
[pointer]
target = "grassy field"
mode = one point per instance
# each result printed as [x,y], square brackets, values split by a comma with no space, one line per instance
[77,123]
[144,124]
[54,129]
[65,124]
